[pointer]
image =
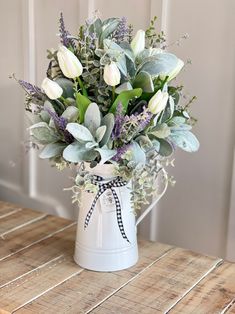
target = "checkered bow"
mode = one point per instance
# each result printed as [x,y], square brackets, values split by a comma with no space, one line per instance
[103,186]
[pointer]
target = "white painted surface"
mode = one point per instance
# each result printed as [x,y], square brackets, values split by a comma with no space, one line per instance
[199,212]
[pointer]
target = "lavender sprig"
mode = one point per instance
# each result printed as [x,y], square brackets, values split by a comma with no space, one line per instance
[60,124]
[65,36]
[119,120]
[120,152]
[122,30]
[32,90]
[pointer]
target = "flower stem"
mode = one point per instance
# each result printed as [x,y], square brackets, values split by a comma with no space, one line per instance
[113,93]
[84,91]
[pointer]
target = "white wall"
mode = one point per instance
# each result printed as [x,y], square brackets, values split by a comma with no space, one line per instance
[197,213]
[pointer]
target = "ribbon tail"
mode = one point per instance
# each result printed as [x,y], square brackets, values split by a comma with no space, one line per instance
[119,216]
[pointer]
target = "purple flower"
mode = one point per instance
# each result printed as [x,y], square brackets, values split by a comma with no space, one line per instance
[119,120]
[120,152]
[32,90]
[121,31]
[65,37]
[60,124]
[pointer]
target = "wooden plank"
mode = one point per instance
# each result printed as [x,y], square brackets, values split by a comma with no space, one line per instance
[230,308]
[212,295]
[7,209]
[18,219]
[29,259]
[161,285]
[37,283]
[81,293]
[22,238]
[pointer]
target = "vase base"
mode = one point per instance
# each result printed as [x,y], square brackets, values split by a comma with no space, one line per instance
[106,260]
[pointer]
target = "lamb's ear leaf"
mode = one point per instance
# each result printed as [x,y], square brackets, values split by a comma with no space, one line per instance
[79,132]
[105,154]
[70,113]
[124,98]
[77,152]
[43,133]
[99,134]
[52,150]
[144,80]
[92,117]
[82,104]
[186,140]
[108,121]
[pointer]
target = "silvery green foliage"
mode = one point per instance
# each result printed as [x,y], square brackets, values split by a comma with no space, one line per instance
[90,138]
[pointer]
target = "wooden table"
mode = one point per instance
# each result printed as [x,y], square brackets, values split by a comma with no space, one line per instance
[38,274]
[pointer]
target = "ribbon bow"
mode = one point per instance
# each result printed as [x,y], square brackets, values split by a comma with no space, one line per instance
[117,182]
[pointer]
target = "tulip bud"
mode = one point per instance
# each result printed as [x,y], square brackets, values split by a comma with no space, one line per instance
[69,63]
[112,74]
[138,42]
[51,89]
[158,102]
[176,70]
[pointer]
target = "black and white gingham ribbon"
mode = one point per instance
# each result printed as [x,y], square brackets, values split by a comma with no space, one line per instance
[117,182]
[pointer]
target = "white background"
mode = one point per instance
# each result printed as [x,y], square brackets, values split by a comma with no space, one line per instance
[199,212]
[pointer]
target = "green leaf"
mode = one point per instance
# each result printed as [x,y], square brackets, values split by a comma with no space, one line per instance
[67,87]
[108,121]
[43,133]
[52,150]
[105,154]
[166,148]
[79,132]
[160,64]
[185,140]
[77,152]
[82,104]
[124,98]
[138,155]
[144,81]
[99,134]
[71,113]
[123,87]
[108,28]
[92,118]
[161,131]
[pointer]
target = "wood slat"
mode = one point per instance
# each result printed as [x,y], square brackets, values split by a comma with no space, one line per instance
[38,282]
[7,209]
[30,234]
[36,255]
[81,293]
[213,294]
[18,219]
[161,285]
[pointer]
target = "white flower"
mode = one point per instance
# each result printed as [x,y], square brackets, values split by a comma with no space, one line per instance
[69,63]
[176,70]
[51,89]
[112,74]
[158,102]
[138,42]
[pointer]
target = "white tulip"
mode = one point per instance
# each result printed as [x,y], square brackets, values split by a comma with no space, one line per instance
[112,74]
[138,42]
[69,63]
[176,70]
[51,89]
[158,102]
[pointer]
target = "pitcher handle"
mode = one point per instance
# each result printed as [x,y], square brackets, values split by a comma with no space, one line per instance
[150,207]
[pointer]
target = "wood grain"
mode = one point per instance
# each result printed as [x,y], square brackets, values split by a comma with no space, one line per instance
[18,219]
[7,209]
[161,285]
[36,255]
[213,294]
[81,293]
[22,238]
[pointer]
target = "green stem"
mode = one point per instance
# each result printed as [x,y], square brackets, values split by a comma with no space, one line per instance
[113,93]
[84,91]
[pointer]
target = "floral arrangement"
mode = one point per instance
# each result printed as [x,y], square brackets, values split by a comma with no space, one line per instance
[109,97]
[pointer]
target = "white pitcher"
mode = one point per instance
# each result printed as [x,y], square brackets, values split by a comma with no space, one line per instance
[106,232]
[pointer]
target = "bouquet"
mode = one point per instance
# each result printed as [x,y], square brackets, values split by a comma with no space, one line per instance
[109,97]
